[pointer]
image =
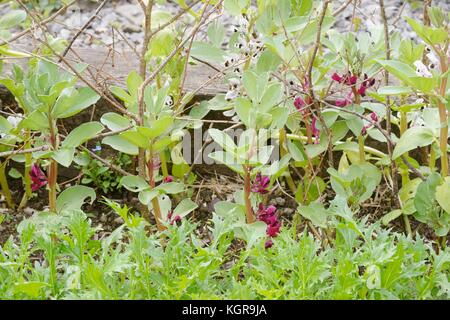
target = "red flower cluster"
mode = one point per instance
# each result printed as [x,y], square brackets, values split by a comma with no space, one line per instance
[269,217]
[351,79]
[38,178]
[374,118]
[348,79]
[173,220]
[260,184]
[367,83]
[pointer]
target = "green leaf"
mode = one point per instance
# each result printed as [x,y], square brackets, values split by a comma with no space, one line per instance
[134,183]
[75,103]
[412,138]
[146,196]
[443,195]
[316,213]
[171,187]
[394,90]
[394,214]
[216,33]
[223,140]
[114,121]
[12,19]
[136,139]
[64,156]
[121,144]
[134,81]
[432,36]
[157,128]
[121,94]
[74,197]
[400,69]
[206,52]
[82,133]
[185,207]
[30,288]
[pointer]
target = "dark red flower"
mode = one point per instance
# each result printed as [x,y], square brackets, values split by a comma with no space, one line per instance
[315,130]
[367,83]
[268,244]
[269,217]
[273,229]
[261,184]
[374,117]
[336,77]
[299,103]
[38,178]
[175,219]
[168,179]
[348,79]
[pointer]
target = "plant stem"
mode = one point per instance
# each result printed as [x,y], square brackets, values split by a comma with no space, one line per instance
[407,225]
[28,164]
[247,190]
[443,115]
[432,162]
[155,201]
[362,154]
[283,152]
[5,187]
[163,159]
[53,169]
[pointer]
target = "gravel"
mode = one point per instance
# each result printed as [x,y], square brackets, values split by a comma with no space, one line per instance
[126,18]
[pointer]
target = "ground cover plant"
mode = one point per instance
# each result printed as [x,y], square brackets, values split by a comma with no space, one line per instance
[276,156]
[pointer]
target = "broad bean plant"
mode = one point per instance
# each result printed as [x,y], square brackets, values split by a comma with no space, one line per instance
[327,119]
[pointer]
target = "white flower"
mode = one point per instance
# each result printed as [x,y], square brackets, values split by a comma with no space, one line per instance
[15,120]
[433,58]
[232,94]
[234,83]
[422,70]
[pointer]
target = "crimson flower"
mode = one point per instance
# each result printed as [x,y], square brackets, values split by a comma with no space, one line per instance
[348,79]
[269,217]
[168,179]
[374,118]
[342,102]
[38,178]
[174,219]
[367,83]
[268,244]
[299,103]
[260,184]
[315,130]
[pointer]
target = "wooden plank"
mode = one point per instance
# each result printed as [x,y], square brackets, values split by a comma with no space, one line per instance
[112,67]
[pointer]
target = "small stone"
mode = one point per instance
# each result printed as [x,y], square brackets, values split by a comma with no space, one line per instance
[280,201]
[119,220]
[103,218]
[28,211]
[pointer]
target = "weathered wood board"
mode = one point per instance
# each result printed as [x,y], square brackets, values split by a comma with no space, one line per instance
[108,67]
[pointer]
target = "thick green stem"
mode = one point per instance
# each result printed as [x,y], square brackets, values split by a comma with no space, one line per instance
[443,116]
[283,152]
[155,201]
[5,187]
[247,191]
[362,154]
[53,168]
[407,225]
[165,171]
[432,161]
